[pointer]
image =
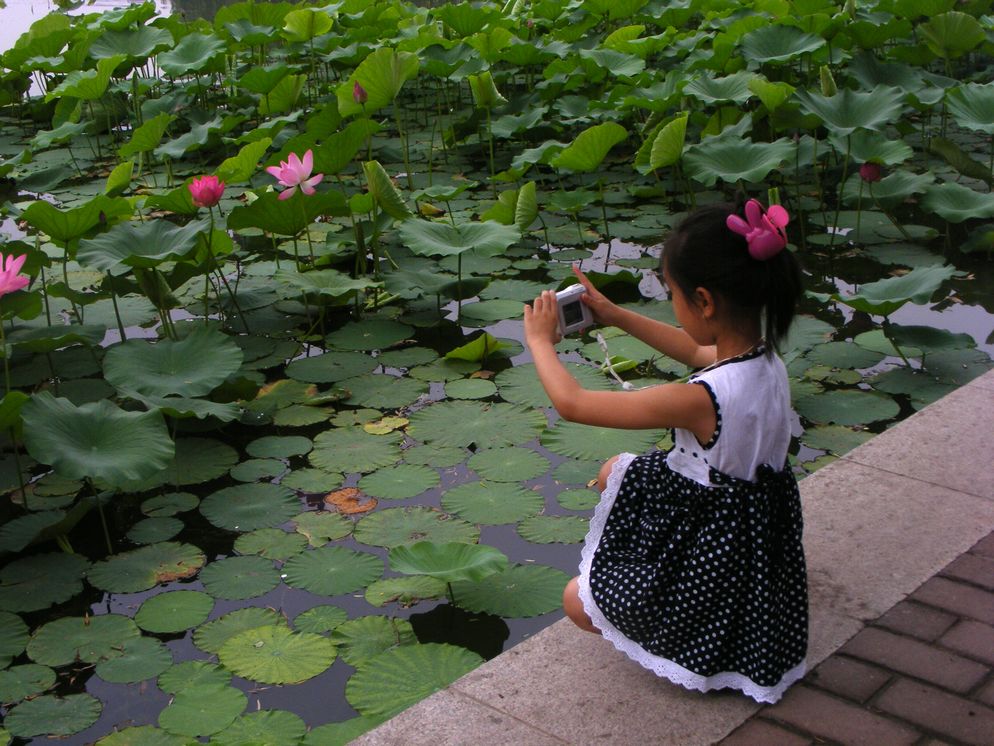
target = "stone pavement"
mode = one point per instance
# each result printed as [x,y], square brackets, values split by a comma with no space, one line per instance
[900,557]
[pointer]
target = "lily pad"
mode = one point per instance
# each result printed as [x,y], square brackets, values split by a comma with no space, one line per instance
[846,407]
[383,391]
[143,568]
[835,439]
[492,503]
[331,571]
[341,733]
[279,446]
[236,578]
[508,464]
[320,619]
[369,334]
[444,369]
[462,423]
[169,504]
[38,581]
[174,611]
[551,529]
[202,710]
[277,655]
[27,680]
[250,506]
[269,727]
[434,455]
[844,355]
[397,678]
[597,443]
[399,482]
[136,660]
[470,388]
[574,471]
[88,639]
[211,636]
[311,480]
[257,469]
[396,526]
[578,499]
[921,387]
[322,526]
[142,735]
[152,530]
[53,716]
[197,460]
[406,590]
[13,637]
[271,543]
[350,450]
[521,385]
[519,591]
[367,636]
[449,562]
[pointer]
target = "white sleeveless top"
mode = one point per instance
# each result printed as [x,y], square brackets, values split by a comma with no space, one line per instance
[752,402]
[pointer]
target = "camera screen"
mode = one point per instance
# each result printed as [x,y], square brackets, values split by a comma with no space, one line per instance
[572,313]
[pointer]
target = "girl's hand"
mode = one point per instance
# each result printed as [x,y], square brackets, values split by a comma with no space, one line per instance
[602,309]
[542,320]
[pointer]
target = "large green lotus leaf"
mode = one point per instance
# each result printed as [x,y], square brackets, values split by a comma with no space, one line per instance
[13,638]
[50,338]
[286,217]
[730,88]
[367,636]
[957,366]
[383,191]
[211,636]
[174,611]
[844,407]
[18,533]
[396,526]
[279,446]
[590,147]
[921,387]
[928,339]
[320,619]
[850,110]
[193,366]
[483,346]
[403,357]
[835,439]
[470,388]
[143,568]
[37,581]
[326,282]
[27,680]
[878,341]
[731,159]
[331,571]
[304,25]
[135,660]
[487,238]
[346,731]
[519,591]
[399,482]
[269,727]
[406,590]
[597,443]
[271,543]
[397,678]
[956,203]
[778,43]
[805,333]
[88,639]
[513,288]
[137,44]
[202,710]
[139,244]
[169,504]
[277,655]
[449,562]
[321,527]
[666,146]
[88,85]
[463,423]
[382,74]
[492,503]
[238,578]
[972,106]
[194,53]
[439,457]
[97,440]
[352,450]
[53,716]
[553,529]
[64,226]
[890,191]
[331,367]
[508,464]
[383,391]
[199,673]
[300,415]
[258,469]
[883,297]
[153,530]
[521,384]
[142,735]
[844,355]
[247,507]
[952,34]
[369,334]
[865,146]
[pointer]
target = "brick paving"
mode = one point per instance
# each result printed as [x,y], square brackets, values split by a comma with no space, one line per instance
[923,673]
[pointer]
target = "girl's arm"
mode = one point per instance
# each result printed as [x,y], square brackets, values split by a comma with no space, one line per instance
[669,340]
[669,405]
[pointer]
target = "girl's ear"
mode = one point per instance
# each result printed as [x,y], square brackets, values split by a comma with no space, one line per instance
[704,301]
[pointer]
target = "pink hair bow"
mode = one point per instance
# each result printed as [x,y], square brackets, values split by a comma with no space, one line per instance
[764,232]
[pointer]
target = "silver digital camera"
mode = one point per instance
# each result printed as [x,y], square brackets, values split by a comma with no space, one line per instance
[574,315]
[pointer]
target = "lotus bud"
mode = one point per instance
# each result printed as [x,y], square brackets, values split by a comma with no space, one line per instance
[359,94]
[828,87]
[870,172]
[850,8]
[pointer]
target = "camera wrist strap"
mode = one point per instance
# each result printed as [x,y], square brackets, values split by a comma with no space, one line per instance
[626,385]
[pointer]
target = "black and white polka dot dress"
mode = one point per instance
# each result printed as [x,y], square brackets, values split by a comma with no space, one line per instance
[693,565]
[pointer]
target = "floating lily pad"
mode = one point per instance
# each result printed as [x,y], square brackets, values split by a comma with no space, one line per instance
[202,710]
[40,580]
[834,438]
[250,506]
[256,469]
[13,637]
[141,569]
[369,334]
[300,415]
[152,530]
[350,450]
[597,443]
[876,340]
[211,636]
[271,543]
[406,357]
[521,385]
[434,455]
[492,503]
[193,673]
[383,391]
[406,590]
[18,533]
[27,680]
[169,504]
[551,529]
[322,526]
[470,388]
[320,619]
[135,660]
[53,716]
[330,571]
[395,526]
[237,578]
[312,480]
[174,611]
[844,355]
[846,407]
[448,562]
[89,639]
[367,636]
[341,733]
[396,679]
[508,464]
[519,591]
[277,655]
[279,446]
[921,387]
[269,727]
[197,460]
[332,367]
[957,366]
[578,499]
[573,471]
[142,735]
[444,369]
[462,423]
[399,482]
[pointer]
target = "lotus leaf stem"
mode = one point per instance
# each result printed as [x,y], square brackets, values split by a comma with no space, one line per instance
[103,516]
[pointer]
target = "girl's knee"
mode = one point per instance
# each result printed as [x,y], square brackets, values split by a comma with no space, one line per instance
[573,607]
[605,472]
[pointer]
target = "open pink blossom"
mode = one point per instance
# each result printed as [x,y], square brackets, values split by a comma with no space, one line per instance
[296,172]
[206,191]
[10,280]
[359,94]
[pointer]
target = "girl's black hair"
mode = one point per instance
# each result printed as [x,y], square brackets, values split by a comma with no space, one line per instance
[704,252]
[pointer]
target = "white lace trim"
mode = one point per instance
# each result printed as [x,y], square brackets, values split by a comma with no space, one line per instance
[657,664]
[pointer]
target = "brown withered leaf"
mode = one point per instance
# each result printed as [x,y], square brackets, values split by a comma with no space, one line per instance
[486,375]
[349,501]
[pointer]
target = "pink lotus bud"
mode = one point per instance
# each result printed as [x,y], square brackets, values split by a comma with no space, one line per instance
[870,172]
[206,191]
[359,94]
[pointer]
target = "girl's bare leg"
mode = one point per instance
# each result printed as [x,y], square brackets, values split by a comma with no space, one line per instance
[574,608]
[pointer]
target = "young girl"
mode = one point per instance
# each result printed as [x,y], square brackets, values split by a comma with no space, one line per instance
[693,564]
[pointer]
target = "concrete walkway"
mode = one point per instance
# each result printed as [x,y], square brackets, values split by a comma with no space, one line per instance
[901,602]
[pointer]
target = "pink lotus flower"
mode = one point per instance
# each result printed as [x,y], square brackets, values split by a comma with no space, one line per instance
[296,172]
[9,279]
[206,191]
[870,172]
[359,94]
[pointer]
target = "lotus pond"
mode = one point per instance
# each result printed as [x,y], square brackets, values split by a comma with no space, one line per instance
[276,464]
